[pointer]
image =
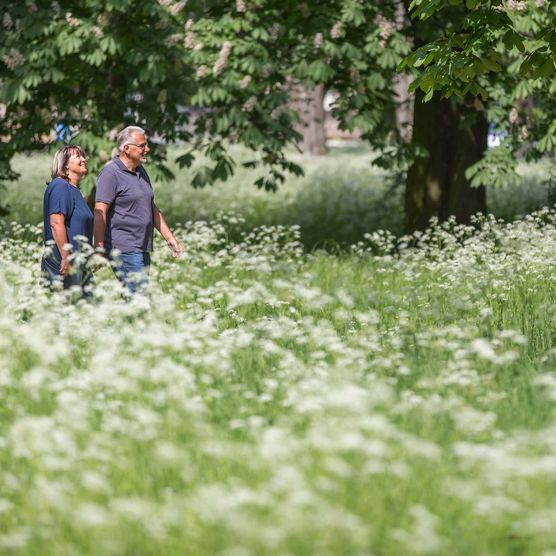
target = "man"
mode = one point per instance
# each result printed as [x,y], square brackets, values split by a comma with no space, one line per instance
[125,212]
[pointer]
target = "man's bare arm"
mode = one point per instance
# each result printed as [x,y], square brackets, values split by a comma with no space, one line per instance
[160,224]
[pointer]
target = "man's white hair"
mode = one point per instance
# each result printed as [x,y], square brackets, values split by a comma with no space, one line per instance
[125,136]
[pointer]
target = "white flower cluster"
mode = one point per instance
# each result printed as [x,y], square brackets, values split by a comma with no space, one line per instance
[7,20]
[13,59]
[220,64]
[516,5]
[337,30]
[264,400]
[103,19]
[513,115]
[72,20]
[318,40]
[278,111]
[177,7]
[172,40]
[249,104]
[266,70]
[386,28]
[274,31]
[244,81]
[189,41]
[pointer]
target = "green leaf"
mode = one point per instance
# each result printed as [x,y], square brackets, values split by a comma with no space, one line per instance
[490,65]
[319,71]
[508,40]
[22,95]
[497,168]
[418,59]
[109,45]
[95,58]
[376,81]
[202,177]
[545,70]
[32,80]
[185,160]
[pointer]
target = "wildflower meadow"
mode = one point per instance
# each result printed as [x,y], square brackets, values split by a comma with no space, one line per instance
[394,399]
[305,379]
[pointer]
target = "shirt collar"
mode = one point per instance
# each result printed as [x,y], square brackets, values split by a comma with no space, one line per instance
[123,167]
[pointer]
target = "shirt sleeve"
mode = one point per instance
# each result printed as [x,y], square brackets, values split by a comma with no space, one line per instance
[106,187]
[60,201]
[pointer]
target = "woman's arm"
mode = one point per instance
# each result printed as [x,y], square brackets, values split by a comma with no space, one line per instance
[58,227]
[99,225]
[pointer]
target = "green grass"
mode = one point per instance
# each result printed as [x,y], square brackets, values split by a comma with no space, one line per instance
[269,401]
[340,198]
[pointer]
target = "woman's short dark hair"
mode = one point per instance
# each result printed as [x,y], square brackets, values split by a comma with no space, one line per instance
[61,159]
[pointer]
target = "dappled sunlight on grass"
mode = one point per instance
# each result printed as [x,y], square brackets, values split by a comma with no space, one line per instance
[340,198]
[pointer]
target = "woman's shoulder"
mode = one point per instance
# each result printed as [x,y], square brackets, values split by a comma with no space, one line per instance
[57,183]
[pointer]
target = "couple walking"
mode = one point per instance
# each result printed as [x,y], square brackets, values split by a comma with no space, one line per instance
[124,217]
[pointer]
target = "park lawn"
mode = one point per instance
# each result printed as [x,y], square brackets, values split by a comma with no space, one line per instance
[341,197]
[395,398]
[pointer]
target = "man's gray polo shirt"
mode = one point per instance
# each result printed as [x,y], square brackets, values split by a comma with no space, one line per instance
[129,221]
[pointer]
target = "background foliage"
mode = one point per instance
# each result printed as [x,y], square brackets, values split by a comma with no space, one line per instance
[340,198]
[505,54]
[214,73]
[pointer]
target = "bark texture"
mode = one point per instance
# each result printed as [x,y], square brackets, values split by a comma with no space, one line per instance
[309,104]
[454,135]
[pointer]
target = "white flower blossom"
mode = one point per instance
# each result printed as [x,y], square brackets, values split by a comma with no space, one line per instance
[222,58]
[337,30]
[318,40]
[7,21]
[244,82]
[249,104]
[72,20]
[202,71]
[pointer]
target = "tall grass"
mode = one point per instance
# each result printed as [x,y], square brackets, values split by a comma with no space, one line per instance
[340,198]
[395,399]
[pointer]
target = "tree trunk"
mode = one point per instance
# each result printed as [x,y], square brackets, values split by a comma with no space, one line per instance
[400,85]
[454,135]
[309,104]
[404,106]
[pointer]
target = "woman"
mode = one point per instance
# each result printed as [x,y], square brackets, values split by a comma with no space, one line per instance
[66,217]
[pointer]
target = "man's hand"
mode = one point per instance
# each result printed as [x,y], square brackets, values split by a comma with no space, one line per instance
[175,246]
[65,267]
[160,224]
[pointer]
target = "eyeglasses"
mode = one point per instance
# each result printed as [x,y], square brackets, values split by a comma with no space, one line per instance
[142,146]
